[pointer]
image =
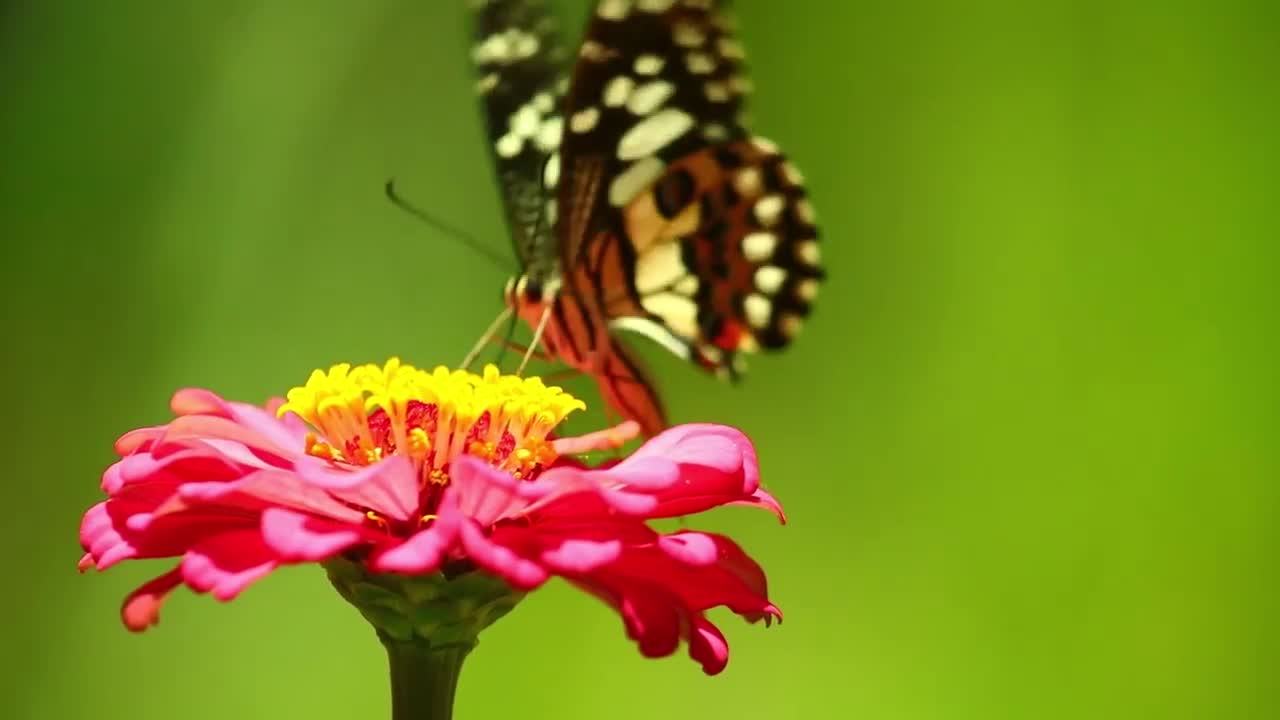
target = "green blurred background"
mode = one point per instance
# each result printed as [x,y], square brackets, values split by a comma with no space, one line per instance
[1026,442]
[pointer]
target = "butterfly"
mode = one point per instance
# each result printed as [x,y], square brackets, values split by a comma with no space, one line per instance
[637,200]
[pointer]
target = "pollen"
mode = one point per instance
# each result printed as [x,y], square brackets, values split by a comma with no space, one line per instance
[364,414]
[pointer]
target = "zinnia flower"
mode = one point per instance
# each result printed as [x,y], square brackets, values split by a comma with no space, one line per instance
[435,500]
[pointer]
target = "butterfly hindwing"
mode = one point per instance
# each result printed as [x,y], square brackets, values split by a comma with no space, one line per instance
[720,242]
[736,268]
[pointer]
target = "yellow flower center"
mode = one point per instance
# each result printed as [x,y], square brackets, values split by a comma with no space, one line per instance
[365,413]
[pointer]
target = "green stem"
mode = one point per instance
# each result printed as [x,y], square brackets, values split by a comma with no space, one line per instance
[423,679]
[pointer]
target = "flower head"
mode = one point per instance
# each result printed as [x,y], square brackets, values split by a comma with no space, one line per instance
[394,472]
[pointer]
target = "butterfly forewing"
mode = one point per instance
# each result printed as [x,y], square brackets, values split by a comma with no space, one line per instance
[521,66]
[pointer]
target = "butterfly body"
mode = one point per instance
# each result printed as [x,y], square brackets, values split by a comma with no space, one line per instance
[637,200]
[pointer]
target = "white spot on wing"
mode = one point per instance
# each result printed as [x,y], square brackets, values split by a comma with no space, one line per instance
[525,121]
[804,211]
[584,120]
[551,171]
[747,181]
[765,146]
[757,308]
[654,6]
[650,96]
[688,35]
[649,64]
[631,181]
[509,145]
[791,174]
[659,267]
[759,246]
[487,83]
[700,63]
[653,133]
[614,9]
[618,91]
[807,252]
[716,91]
[730,48]
[715,132]
[768,209]
[807,289]
[678,312]
[790,324]
[655,332]
[548,137]
[769,279]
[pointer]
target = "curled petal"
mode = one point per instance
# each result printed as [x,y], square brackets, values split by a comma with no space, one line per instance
[183,431]
[708,646]
[141,609]
[762,499]
[138,440]
[263,422]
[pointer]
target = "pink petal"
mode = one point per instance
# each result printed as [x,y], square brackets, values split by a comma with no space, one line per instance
[266,488]
[559,484]
[501,561]
[733,580]
[288,435]
[424,551]
[485,493]
[195,464]
[690,548]
[137,440]
[182,430]
[141,609]
[106,532]
[295,537]
[708,646]
[582,556]
[388,487]
[226,564]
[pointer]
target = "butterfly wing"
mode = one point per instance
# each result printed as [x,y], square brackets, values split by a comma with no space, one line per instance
[719,252]
[520,62]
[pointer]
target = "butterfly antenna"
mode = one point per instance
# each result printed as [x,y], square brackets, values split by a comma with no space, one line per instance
[461,236]
[486,337]
[537,336]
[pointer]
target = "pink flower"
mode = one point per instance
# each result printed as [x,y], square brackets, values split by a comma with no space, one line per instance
[406,471]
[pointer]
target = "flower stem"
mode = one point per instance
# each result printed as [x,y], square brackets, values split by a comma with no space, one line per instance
[423,679]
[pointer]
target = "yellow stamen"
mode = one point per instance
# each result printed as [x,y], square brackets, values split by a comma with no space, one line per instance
[378,520]
[339,404]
